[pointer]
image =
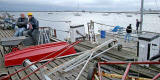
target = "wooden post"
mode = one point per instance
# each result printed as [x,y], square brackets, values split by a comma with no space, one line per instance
[92,31]
[55,33]
[94,36]
[88,31]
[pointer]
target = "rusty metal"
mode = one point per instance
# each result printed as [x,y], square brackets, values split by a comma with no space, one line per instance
[125,76]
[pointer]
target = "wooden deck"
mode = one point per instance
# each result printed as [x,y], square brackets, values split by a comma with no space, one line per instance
[36,76]
[112,55]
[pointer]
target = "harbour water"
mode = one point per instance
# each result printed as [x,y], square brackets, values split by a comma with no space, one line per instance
[151,21]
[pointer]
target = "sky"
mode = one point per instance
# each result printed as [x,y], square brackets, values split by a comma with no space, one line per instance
[76,5]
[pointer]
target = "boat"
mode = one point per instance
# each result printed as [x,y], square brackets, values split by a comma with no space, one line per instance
[50,13]
[77,14]
[36,52]
[83,11]
[118,12]
[129,15]
[105,14]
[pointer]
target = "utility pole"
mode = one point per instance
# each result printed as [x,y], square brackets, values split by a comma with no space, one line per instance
[142,6]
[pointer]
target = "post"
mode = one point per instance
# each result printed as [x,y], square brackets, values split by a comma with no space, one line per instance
[55,33]
[94,37]
[92,34]
[142,5]
[88,31]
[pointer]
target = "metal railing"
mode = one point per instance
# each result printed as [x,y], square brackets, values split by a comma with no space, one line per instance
[125,76]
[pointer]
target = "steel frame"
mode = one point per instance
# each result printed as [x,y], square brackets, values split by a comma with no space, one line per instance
[127,69]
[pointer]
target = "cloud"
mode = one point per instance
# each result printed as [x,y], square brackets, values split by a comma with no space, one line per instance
[96,5]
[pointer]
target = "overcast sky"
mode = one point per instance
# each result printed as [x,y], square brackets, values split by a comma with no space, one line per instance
[92,5]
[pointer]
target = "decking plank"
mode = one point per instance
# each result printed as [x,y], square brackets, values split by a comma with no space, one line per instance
[37,75]
[69,74]
[22,73]
[11,32]
[2,68]
[4,34]
[1,33]
[76,71]
[57,74]
[12,70]
[50,67]
[33,76]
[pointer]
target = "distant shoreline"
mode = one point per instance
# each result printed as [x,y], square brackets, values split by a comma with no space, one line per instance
[134,12]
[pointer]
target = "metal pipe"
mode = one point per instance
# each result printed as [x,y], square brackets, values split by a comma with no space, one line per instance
[79,57]
[76,63]
[33,68]
[117,76]
[63,56]
[142,5]
[156,77]
[84,66]
[99,71]
[66,64]
[120,62]
[126,72]
[70,46]
[72,54]
[91,58]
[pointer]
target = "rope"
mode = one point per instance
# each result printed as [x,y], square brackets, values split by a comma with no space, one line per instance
[103,24]
[54,21]
[114,26]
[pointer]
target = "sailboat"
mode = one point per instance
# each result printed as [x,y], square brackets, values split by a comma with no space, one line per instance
[77,13]
[129,15]
[105,14]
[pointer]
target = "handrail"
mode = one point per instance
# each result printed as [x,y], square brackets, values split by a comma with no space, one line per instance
[128,67]
[123,28]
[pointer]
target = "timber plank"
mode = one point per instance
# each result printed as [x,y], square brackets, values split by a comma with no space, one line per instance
[69,74]
[12,70]
[22,73]
[1,33]
[57,74]
[4,34]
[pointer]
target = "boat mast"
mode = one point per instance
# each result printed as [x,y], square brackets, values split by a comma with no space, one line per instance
[78,5]
[142,6]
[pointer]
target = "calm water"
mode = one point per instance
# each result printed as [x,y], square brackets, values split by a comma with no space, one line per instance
[151,21]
